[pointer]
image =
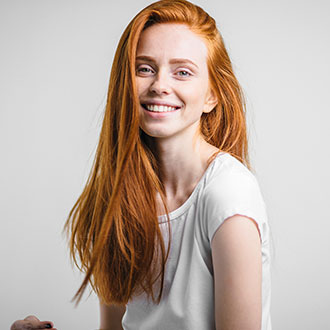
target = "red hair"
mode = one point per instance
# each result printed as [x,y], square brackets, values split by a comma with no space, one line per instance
[114,225]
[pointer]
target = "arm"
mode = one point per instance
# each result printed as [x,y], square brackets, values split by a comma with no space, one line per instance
[237,263]
[111,316]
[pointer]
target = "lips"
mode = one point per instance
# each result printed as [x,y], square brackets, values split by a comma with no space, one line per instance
[157,106]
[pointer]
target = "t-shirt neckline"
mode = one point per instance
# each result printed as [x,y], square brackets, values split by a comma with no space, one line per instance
[184,207]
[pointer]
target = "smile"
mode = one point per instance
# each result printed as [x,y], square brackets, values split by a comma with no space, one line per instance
[159,108]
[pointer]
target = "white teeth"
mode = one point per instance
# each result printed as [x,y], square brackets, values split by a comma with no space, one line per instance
[159,108]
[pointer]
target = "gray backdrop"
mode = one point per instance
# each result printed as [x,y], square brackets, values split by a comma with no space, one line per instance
[55,62]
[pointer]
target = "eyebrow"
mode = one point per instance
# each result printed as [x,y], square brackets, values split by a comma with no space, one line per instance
[172,61]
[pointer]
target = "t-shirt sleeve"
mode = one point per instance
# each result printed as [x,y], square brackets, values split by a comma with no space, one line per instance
[234,192]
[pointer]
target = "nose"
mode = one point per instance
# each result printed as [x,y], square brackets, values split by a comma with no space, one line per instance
[160,85]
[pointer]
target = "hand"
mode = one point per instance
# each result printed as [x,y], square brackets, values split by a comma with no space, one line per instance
[31,323]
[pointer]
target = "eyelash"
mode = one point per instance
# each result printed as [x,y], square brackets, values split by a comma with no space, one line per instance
[140,69]
[188,74]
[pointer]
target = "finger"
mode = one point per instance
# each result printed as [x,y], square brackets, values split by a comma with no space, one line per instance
[32,318]
[25,324]
[18,325]
[33,321]
[46,325]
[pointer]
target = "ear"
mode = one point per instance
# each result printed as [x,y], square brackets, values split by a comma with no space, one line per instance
[210,102]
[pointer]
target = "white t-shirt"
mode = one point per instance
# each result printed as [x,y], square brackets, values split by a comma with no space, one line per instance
[226,188]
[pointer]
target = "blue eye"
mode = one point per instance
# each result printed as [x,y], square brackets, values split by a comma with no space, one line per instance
[184,73]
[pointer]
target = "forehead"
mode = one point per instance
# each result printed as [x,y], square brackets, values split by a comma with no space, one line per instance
[172,40]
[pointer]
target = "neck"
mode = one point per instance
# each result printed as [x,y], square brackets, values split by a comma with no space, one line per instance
[182,164]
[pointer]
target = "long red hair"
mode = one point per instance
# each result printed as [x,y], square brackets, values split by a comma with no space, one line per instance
[115,237]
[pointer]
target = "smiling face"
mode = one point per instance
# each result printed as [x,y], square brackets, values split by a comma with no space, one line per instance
[172,80]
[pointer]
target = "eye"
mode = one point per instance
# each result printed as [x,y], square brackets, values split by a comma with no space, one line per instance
[184,73]
[144,70]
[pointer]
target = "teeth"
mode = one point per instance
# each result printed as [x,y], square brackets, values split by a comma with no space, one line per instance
[159,108]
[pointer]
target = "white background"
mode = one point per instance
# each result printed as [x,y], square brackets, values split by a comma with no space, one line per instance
[56,57]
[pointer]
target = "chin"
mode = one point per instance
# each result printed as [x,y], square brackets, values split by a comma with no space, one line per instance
[155,133]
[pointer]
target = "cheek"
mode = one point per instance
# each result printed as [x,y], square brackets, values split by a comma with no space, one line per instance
[141,85]
[194,92]
[194,97]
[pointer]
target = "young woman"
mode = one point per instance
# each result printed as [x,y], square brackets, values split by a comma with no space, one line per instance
[171,229]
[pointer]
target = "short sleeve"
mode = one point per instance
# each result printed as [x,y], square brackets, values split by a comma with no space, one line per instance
[234,192]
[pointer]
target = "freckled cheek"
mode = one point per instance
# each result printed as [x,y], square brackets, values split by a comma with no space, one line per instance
[142,87]
[192,98]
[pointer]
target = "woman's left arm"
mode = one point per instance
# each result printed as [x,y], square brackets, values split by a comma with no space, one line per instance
[237,264]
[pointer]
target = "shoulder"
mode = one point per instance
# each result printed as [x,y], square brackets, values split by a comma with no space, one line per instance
[229,179]
[230,189]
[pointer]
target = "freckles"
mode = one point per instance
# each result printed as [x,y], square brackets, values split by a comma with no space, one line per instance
[140,88]
[141,85]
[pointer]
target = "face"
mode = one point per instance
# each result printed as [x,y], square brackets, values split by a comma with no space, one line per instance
[172,80]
